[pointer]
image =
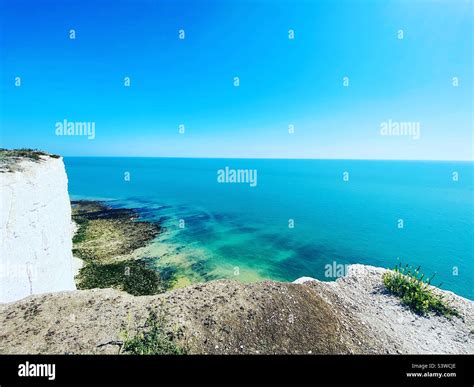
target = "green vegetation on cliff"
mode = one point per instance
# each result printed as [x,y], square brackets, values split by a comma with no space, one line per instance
[10,157]
[408,284]
[152,340]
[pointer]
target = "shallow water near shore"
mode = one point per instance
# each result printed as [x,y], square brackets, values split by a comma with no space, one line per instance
[241,232]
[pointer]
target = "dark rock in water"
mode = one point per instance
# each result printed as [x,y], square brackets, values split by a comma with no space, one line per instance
[105,240]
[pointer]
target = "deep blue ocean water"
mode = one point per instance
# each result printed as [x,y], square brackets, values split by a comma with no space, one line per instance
[237,231]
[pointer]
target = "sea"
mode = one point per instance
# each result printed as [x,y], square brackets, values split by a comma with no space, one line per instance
[281,219]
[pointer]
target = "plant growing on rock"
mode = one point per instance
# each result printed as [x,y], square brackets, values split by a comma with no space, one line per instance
[153,340]
[409,284]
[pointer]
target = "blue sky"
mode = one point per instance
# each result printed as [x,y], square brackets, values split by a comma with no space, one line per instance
[282,81]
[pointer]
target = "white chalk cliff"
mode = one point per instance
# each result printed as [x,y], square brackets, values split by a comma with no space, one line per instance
[35,230]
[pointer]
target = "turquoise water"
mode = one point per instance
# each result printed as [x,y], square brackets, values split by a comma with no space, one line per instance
[242,232]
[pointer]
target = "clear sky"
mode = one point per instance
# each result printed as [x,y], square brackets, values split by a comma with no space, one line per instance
[282,81]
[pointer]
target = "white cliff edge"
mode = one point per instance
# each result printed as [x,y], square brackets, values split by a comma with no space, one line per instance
[35,230]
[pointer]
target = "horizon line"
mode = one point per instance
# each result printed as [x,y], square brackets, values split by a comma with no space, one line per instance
[274,158]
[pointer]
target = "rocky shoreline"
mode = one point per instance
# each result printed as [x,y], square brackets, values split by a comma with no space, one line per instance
[104,240]
[108,234]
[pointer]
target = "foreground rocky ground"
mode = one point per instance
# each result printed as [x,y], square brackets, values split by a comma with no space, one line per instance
[362,295]
[352,315]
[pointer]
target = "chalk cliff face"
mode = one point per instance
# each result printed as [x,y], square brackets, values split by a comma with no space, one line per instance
[35,230]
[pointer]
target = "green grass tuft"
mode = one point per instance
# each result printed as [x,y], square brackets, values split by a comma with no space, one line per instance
[152,341]
[409,284]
